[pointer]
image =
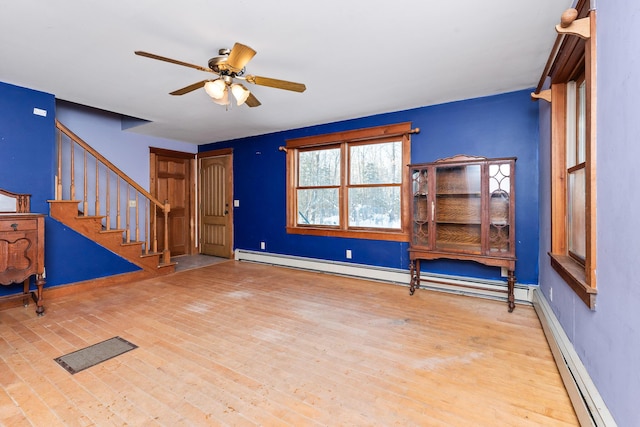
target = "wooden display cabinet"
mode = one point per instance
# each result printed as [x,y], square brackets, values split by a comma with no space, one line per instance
[463,208]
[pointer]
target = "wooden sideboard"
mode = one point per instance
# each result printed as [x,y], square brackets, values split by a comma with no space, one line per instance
[22,247]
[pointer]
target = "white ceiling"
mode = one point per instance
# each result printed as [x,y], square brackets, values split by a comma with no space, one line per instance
[356,57]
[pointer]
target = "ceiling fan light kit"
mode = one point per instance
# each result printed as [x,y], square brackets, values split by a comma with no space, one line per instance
[223,100]
[240,93]
[228,66]
[215,89]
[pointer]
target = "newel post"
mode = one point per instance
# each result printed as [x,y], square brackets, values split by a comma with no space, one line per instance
[166,254]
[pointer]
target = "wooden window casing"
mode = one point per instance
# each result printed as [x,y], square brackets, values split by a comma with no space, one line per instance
[575,62]
[344,140]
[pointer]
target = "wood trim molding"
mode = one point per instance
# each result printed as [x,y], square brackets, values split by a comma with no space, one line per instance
[15,300]
[172,153]
[543,94]
[558,169]
[564,51]
[213,153]
[351,135]
[591,154]
[352,234]
[574,274]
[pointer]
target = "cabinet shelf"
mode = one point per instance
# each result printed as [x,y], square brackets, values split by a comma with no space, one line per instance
[459,194]
[459,222]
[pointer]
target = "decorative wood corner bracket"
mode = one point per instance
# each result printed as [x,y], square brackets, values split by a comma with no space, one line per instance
[543,94]
[572,26]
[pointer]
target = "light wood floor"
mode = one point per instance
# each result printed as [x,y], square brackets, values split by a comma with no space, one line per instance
[248,344]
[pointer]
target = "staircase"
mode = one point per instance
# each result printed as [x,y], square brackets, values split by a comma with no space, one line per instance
[111,208]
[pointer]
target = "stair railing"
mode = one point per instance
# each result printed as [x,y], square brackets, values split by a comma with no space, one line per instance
[98,177]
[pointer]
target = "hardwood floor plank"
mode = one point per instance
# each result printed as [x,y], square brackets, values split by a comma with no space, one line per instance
[246,344]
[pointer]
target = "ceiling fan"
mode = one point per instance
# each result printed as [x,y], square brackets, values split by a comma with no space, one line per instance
[230,65]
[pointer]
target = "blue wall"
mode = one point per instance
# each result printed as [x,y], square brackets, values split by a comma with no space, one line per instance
[498,126]
[27,144]
[27,165]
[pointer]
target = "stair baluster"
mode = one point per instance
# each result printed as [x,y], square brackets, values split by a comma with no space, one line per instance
[146,236]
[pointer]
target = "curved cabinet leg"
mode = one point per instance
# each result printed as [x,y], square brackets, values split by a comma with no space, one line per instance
[511,282]
[415,276]
[412,275]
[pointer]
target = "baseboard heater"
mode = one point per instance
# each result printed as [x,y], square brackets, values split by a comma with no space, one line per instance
[587,402]
[493,289]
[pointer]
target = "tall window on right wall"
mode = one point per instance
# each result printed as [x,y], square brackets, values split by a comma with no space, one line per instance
[573,159]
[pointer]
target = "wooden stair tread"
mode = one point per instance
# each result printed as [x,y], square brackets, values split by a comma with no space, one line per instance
[132,243]
[90,226]
[100,217]
[150,254]
[113,230]
[167,264]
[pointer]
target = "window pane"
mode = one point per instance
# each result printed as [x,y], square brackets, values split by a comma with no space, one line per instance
[458,180]
[376,207]
[499,188]
[572,126]
[577,208]
[376,163]
[319,168]
[318,206]
[581,120]
[499,178]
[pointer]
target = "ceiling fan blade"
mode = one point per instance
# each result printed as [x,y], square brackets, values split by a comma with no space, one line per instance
[189,88]
[173,61]
[239,56]
[252,101]
[278,84]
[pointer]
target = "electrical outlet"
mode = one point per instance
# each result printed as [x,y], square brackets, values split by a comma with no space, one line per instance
[236,203]
[551,294]
[132,203]
[263,245]
[504,272]
[348,253]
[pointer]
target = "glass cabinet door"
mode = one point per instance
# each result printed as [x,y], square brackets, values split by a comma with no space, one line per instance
[499,202]
[421,209]
[458,208]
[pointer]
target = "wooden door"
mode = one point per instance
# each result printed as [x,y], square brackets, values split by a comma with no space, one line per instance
[171,180]
[216,211]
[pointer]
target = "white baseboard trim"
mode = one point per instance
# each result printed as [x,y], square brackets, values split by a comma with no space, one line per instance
[587,402]
[493,289]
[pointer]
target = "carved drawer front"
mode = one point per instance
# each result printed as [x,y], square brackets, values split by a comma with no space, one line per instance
[19,224]
[21,247]
[18,256]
